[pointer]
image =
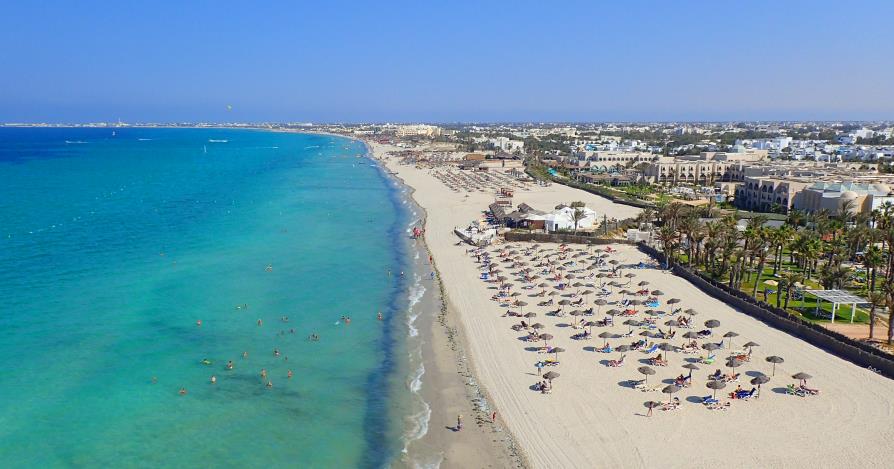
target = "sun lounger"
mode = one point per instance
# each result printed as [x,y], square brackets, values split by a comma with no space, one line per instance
[810,391]
[607,349]
[707,400]
[795,391]
[653,388]
[617,363]
[652,349]
[718,406]
[707,360]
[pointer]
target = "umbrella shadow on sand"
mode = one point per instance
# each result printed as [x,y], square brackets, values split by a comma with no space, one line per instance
[780,390]
[754,374]
[694,399]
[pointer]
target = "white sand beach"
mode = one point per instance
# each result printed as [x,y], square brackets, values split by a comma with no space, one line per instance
[592,419]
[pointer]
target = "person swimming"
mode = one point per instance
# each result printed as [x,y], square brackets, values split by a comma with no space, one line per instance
[182,391]
[213,379]
[244,354]
[260,322]
[275,352]
[269,384]
[230,365]
[379,316]
[264,373]
[289,374]
[199,323]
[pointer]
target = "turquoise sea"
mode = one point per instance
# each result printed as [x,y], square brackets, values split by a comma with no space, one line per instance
[113,246]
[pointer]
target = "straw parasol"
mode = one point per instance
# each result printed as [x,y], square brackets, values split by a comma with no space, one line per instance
[673,301]
[712,323]
[691,312]
[759,380]
[537,325]
[672,323]
[550,376]
[546,338]
[642,283]
[750,345]
[651,405]
[774,360]
[734,363]
[670,389]
[691,367]
[530,315]
[521,304]
[657,293]
[646,371]
[715,385]
[557,350]
[690,335]
[630,275]
[802,377]
[729,335]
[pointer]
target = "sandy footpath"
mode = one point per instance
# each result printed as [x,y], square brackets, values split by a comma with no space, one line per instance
[592,420]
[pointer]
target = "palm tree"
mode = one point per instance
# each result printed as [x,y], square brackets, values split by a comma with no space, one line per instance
[872,260]
[577,215]
[762,249]
[790,279]
[876,299]
[668,238]
[779,238]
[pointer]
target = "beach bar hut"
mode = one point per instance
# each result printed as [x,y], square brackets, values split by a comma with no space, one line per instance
[836,298]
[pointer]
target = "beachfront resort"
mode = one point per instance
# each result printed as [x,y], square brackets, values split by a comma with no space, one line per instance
[598,355]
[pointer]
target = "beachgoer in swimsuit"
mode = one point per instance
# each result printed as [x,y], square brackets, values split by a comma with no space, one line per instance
[230,365]
[213,379]
[182,391]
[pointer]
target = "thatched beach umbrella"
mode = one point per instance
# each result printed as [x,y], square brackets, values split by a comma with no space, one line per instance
[750,345]
[691,312]
[734,363]
[630,275]
[691,367]
[645,370]
[546,338]
[774,360]
[715,385]
[712,323]
[671,323]
[521,304]
[587,292]
[557,350]
[673,301]
[803,377]
[690,335]
[564,303]
[550,376]
[729,335]
[590,324]
[670,389]
[759,380]
[537,325]
[657,293]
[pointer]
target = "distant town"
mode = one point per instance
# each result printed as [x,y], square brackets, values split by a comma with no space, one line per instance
[770,167]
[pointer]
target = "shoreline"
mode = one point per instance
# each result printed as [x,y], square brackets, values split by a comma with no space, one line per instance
[448,384]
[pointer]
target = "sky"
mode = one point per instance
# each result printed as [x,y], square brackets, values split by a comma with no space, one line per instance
[456,61]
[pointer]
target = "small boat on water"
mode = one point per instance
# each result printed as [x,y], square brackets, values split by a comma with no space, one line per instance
[70,142]
[212,140]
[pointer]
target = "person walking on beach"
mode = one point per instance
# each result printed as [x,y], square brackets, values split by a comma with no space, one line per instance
[459,422]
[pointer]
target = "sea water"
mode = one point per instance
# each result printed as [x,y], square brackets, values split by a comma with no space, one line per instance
[115,243]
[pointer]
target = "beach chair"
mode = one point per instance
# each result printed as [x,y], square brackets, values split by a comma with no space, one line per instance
[809,391]
[791,389]
[651,350]
[606,349]
[708,400]
[709,360]
[617,363]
